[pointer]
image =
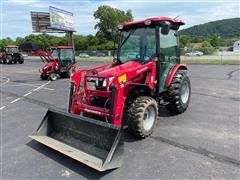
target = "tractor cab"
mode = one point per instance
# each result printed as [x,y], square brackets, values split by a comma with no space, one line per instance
[64,55]
[142,41]
[11,49]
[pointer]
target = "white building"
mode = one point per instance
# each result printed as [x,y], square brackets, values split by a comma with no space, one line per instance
[236,46]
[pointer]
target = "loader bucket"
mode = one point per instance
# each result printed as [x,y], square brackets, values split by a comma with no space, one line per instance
[94,143]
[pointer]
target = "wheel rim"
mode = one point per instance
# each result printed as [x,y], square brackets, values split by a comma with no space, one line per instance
[54,77]
[185,92]
[149,118]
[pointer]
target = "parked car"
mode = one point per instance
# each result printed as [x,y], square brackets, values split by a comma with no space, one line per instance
[194,53]
[132,55]
[83,55]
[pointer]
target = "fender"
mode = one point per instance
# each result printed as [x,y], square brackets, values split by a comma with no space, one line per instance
[173,71]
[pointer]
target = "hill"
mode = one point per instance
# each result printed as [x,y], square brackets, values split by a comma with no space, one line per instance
[227,28]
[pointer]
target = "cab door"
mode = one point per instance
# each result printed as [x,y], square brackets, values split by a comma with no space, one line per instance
[169,55]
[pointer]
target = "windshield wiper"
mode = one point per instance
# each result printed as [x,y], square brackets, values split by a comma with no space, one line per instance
[131,32]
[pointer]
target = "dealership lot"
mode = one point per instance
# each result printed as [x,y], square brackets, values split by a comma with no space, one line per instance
[201,143]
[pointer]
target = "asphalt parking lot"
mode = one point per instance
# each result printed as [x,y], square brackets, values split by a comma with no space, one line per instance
[201,143]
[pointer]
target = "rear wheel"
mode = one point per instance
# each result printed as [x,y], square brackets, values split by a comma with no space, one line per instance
[21,61]
[179,93]
[143,116]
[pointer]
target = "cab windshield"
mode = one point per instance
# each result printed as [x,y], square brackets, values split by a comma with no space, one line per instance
[66,55]
[12,49]
[137,45]
[55,53]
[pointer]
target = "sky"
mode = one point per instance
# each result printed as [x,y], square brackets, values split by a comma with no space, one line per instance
[15,17]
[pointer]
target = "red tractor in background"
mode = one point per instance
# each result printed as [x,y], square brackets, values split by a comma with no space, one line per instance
[146,73]
[59,62]
[11,55]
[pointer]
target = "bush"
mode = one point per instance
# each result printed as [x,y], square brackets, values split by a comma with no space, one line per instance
[207,48]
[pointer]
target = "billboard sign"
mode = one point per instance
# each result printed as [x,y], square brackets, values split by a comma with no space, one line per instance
[61,19]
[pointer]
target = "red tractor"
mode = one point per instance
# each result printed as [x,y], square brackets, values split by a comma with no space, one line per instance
[60,62]
[128,92]
[11,55]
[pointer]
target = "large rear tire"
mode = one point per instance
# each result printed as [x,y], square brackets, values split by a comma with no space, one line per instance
[21,61]
[179,93]
[143,116]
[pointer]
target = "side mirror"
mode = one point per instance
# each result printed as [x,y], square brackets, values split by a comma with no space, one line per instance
[165,28]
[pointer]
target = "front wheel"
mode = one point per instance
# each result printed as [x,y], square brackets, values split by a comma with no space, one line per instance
[143,116]
[53,77]
[178,93]
[9,59]
[21,61]
[71,72]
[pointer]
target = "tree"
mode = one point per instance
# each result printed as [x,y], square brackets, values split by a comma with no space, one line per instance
[215,41]
[108,18]
[207,48]
[185,41]
[5,42]
[19,40]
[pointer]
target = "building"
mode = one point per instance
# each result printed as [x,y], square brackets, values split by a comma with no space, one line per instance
[236,46]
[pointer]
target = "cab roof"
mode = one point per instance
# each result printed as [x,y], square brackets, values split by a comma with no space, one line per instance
[153,21]
[11,46]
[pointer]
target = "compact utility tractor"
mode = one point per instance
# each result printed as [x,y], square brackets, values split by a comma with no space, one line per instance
[60,62]
[127,92]
[11,55]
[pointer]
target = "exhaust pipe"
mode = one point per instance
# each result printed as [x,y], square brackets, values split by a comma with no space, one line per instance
[94,143]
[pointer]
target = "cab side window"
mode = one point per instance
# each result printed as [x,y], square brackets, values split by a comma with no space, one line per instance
[168,46]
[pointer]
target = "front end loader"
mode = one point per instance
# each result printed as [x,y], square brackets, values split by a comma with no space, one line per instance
[124,93]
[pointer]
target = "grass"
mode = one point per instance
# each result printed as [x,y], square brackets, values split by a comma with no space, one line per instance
[95,59]
[211,61]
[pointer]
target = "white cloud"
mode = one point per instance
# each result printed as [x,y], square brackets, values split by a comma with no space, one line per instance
[24,2]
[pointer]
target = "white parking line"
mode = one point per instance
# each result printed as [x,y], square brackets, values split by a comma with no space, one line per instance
[41,86]
[31,85]
[1,108]
[15,100]
[27,94]
[5,81]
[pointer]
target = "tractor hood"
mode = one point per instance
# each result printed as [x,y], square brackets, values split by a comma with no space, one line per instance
[48,64]
[2,55]
[120,69]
